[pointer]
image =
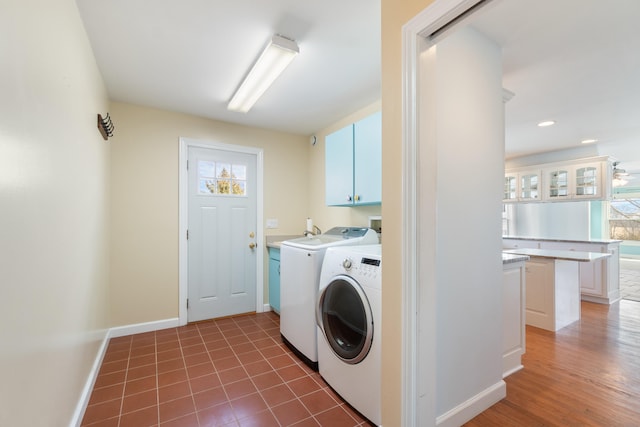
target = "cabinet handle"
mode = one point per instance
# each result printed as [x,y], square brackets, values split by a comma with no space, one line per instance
[356,198]
[349,199]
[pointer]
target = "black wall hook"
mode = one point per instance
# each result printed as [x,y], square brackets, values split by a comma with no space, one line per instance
[106,127]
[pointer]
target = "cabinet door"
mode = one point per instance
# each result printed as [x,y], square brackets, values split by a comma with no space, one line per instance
[368,160]
[529,185]
[274,279]
[513,318]
[339,167]
[540,301]
[588,181]
[510,187]
[557,187]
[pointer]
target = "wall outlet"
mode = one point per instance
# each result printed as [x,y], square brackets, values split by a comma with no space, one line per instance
[272,223]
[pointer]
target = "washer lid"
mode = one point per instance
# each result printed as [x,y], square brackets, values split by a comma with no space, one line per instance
[335,237]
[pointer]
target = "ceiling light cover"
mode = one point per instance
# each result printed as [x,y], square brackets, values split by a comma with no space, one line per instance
[274,59]
[546,123]
[589,141]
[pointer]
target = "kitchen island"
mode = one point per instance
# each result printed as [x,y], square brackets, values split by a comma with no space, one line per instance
[599,280]
[553,285]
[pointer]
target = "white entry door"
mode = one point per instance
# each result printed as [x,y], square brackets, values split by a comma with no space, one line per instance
[221,245]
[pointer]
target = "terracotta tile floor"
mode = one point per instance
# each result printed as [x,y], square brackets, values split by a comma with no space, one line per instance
[227,372]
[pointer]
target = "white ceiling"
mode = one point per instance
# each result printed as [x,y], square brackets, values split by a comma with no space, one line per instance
[190,56]
[573,61]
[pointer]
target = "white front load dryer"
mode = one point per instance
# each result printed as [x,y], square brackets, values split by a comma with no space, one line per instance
[348,316]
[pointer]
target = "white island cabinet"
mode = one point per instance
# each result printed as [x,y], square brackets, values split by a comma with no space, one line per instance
[553,288]
[513,312]
[599,280]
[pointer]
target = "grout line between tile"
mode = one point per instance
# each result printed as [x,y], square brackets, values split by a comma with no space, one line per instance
[124,387]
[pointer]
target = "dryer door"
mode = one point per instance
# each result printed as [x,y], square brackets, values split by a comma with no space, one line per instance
[344,316]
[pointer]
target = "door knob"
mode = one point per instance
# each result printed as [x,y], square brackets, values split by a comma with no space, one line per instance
[252,245]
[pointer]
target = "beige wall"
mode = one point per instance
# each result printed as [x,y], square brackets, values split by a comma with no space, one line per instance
[144,191]
[54,222]
[325,216]
[395,13]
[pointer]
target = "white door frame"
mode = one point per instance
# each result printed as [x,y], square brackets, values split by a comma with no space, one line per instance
[183,219]
[418,311]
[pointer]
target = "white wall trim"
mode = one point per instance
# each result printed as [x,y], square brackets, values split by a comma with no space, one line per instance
[117,331]
[140,328]
[409,228]
[474,406]
[83,402]
[183,194]
[414,386]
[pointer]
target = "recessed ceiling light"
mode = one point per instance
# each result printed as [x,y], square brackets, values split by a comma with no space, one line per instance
[546,123]
[589,141]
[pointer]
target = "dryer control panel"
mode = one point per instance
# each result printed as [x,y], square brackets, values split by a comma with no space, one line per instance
[363,267]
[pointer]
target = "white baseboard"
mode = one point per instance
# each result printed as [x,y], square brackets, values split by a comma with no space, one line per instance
[266,308]
[474,406]
[139,328]
[513,370]
[81,407]
[119,331]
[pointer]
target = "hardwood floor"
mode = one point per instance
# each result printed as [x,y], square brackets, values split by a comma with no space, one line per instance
[586,374]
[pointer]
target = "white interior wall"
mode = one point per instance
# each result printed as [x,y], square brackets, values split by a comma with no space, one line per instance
[466,134]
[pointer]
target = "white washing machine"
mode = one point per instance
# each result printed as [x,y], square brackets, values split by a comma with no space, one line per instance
[349,319]
[300,265]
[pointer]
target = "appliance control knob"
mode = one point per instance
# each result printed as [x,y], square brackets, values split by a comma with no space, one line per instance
[347,264]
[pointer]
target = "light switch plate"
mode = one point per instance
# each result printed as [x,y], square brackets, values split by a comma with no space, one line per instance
[272,223]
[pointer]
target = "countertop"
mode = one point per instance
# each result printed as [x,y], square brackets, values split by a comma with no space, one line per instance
[276,241]
[543,239]
[513,258]
[557,254]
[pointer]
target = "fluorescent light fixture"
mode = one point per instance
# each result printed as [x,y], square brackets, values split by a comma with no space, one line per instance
[589,141]
[546,123]
[274,59]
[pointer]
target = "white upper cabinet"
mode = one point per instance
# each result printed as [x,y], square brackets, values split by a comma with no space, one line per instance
[587,179]
[575,182]
[510,187]
[522,186]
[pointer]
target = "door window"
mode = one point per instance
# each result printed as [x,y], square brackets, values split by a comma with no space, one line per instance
[221,178]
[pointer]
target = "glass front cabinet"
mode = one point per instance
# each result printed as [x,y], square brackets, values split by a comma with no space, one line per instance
[575,182]
[522,186]
[510,187]
[530,186]
[585,179]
